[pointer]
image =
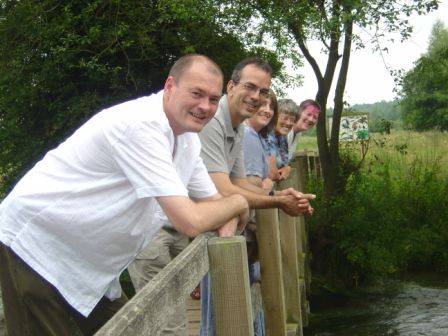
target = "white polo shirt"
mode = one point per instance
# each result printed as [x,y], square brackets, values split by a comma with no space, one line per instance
[82,213]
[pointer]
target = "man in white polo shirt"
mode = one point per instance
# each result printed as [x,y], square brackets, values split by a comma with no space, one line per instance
[79,217]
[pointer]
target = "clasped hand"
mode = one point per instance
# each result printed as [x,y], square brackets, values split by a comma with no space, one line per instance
[296,203]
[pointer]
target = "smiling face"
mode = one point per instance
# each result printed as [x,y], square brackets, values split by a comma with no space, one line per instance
[308,118]
[244,96]
[284,123]
[191,100]
[262,118]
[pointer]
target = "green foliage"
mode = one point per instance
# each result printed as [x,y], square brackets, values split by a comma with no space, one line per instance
[290,25]
[424,92]
[392,215]
[60,62]
[392,223]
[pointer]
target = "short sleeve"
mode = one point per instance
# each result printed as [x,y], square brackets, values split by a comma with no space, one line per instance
[238,169]
[213,147]
[253,154]
[222,154]
[200,184]
[270,144]
[144,155]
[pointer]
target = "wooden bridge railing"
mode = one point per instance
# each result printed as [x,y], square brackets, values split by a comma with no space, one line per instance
[285,279]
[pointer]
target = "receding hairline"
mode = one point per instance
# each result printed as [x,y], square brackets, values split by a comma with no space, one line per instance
[251,61]
[183,64]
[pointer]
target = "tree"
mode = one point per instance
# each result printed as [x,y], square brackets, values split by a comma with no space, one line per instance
[339,26]
[424,89]
[62,61]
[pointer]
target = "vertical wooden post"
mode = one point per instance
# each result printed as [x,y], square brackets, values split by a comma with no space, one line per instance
[290,240]
[302,239]
[290,261]
[317,164]
[229,274]
[301,167]
[271,272]
[304,164]
[290,264]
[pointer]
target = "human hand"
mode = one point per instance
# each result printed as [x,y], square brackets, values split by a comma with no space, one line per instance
[251,226]
[295,205]
[267,184]
[284,172]
[229,228]
[235,225]
[243,220]
[275,176]
[289,191]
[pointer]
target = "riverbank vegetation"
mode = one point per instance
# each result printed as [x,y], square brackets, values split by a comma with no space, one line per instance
[393,213]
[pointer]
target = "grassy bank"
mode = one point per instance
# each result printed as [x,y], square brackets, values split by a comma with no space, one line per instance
[393,213]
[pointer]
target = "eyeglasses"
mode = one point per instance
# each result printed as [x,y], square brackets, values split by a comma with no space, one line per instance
[254,89]
[286,117]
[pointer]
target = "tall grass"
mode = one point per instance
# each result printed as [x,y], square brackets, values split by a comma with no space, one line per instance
[393,214]
[402,148]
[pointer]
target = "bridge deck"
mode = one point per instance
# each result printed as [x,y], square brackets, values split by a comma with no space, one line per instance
[194,316]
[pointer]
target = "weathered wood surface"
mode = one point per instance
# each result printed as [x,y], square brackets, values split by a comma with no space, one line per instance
[290,261]
[271,272]
[229,278]
[194,309]
[146,312]
[193,317]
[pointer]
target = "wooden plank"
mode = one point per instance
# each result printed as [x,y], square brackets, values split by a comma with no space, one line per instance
[146,312]
[303,303]
[193,317]
[302,242]
[293,330]
[301,166]
[271,272]
[194,309]
[290,261]
[229,275]
[290,264]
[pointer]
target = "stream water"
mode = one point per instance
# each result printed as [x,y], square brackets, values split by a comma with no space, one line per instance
[415,306]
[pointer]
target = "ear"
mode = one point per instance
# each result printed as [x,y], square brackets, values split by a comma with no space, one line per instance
[230,88]
[169,83]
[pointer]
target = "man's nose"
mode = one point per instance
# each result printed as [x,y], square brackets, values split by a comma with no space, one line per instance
[204,104]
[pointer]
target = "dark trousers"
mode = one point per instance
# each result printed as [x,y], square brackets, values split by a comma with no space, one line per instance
[33,306]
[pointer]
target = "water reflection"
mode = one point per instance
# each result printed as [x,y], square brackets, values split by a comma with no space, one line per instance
[414,308]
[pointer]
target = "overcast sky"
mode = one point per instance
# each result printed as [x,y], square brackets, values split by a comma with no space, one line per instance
[368,79]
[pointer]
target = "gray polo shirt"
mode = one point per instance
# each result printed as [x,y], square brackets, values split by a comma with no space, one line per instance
[222,145]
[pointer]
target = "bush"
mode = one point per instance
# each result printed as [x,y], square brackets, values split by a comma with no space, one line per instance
[392,216]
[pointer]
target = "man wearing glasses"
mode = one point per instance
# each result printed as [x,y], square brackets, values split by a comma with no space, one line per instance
[222,140]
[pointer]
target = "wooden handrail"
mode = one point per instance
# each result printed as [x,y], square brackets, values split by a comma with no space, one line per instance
[283,255]
[146,312]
